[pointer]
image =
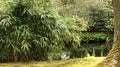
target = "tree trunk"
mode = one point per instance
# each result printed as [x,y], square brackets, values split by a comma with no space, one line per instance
[113,58]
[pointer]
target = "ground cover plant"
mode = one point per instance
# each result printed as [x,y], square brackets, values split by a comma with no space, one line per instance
[78,62]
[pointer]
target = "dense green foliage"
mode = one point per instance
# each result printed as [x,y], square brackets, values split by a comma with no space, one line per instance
[93,37]
[45,29]
[101,20]
[76,8]
[98,13]
[29,34]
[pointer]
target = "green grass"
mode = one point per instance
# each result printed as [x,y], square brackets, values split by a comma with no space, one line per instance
[78,62]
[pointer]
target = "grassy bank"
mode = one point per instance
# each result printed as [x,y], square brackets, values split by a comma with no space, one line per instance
[79,62]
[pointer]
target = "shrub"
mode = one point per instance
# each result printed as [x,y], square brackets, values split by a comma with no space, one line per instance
[29,31]
[93,37]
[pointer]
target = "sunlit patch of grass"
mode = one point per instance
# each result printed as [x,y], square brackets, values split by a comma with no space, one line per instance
[78,62]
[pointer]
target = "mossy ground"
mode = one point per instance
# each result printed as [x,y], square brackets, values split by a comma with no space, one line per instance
[78,62]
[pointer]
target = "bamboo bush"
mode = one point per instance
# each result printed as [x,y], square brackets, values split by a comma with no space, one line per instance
[30,31]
